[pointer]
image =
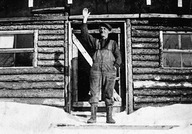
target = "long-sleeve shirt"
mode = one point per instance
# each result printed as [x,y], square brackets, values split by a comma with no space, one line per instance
[91,42]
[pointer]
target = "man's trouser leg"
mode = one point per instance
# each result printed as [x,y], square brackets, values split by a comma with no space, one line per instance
[95,79]
[109,80]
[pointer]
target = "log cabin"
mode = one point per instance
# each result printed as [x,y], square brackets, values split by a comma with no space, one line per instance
[43,60]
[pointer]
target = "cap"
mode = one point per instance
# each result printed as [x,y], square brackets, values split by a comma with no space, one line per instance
[106,25]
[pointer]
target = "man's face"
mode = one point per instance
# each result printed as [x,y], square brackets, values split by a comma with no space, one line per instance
[104,32]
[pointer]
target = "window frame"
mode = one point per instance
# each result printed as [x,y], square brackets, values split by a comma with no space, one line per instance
[19,50]
[172,50]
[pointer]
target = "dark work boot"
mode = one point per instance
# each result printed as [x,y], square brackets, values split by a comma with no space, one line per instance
[109,115]
[93,114]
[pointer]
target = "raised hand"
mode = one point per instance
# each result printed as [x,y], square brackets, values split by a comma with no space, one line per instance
[86,14]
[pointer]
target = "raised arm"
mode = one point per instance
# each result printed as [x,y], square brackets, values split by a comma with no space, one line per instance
[89,39]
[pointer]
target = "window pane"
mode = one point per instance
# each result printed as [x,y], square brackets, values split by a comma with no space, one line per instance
[187,60]
[6,41]
[6,60]
[172,60]
[170,41]
[24,41]
[23,59]
[186,41]
[16,59]
[20,41]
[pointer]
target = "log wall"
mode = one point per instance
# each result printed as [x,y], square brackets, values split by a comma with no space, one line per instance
[154,85]
[43,84]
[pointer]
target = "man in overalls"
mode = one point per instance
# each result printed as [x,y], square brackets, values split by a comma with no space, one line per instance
[106,60]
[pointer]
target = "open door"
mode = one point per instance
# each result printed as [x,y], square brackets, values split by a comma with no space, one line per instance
[81,64]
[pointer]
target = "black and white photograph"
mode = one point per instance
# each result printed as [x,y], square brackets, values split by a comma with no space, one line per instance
[95,66]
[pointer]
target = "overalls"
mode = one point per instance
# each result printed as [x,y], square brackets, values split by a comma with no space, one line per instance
[103,74]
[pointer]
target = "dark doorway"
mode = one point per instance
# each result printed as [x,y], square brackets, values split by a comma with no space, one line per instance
[118,34]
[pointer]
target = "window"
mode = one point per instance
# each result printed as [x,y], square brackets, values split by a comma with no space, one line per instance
[176,49]
[18,48]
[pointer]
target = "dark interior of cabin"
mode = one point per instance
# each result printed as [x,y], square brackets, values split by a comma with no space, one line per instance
[84,67]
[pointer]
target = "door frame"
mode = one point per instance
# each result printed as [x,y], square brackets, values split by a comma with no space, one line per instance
[127,59]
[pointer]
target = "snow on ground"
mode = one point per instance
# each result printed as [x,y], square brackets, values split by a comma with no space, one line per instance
[21,118]
[169,115]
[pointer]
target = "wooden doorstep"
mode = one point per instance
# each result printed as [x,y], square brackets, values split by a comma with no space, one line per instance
[116,126]
[100,104]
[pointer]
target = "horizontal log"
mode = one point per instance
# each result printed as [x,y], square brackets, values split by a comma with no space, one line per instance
[145,57]
[165,28]
[32,78]
[147,64]
[104,16]
[187,99]
[51,56]
[139,22]
[150,101]
[156,99]
[47,22]
[51,32]
[32,93]
[36,70]
[48,10]
[163,77]
[32,27]
[159,84]
[144,33]
[157,15]
[145,51]
[31,85]
[37,101]
[37,22]
[35,18]
[57,50]
[51,37]
[160,92]
[145,40]
[177,28]
[139,27]
[145,45]
[51,43]
[131,16]
[162,71]
[48,63]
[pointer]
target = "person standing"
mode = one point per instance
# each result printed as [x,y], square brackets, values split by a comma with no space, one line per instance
[106,60]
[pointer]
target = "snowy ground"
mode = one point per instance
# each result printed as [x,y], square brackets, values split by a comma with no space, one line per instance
[17,118]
